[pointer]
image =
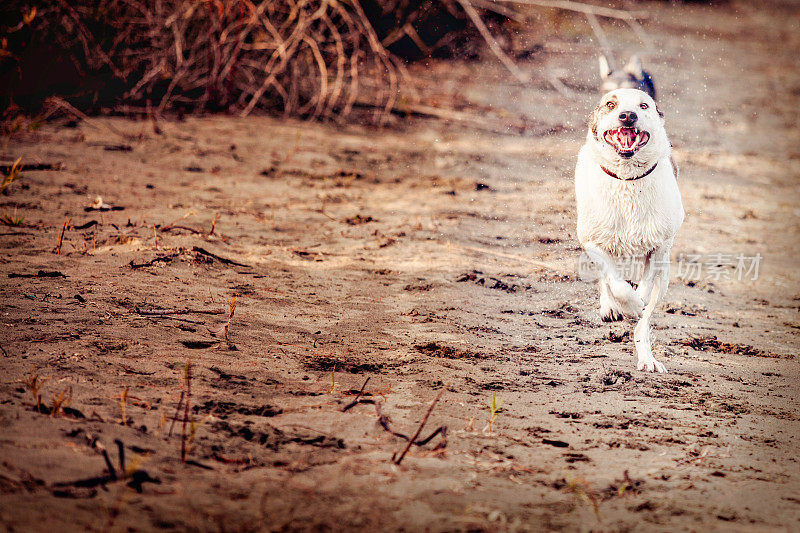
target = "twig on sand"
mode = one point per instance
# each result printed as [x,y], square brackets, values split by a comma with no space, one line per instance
[383,420]
[175,416]
[6,169]
[121,453]
[358,396]
[111,472]
[170,311]
[186,421]
[84,117]
[178,226]
[221,259]
[399,459]
[39,274]
[162,258]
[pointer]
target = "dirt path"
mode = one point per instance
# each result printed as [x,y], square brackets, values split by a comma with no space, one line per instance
[424,258]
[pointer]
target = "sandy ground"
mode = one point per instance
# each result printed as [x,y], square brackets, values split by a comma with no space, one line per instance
[411,256]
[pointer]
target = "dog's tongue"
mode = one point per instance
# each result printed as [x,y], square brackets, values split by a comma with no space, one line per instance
[626,140]
[627,137]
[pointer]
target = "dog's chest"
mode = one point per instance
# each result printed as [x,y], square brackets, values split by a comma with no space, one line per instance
[629,219]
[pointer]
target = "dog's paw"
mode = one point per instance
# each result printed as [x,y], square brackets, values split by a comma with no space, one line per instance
[607,314]
[609,309]
[630,303]
[650,365]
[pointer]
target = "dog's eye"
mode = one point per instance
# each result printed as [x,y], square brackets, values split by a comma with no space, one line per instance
[611,105]
[643,105]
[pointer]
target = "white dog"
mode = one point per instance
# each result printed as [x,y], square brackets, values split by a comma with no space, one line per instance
[629,208]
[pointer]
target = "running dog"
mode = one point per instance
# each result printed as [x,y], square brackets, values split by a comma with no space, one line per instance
[632,76]
[629,208]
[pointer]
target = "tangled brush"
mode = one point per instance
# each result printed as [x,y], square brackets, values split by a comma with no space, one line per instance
[308,58]
[305,58]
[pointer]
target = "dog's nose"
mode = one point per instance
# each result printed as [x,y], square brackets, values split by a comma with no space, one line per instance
[628,118]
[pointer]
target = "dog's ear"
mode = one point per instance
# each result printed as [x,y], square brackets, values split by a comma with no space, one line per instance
[605,68]
[660,114]
[635,68]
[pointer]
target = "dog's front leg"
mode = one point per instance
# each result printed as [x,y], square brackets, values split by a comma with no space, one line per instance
[616,294]
[655,261]
[656,282]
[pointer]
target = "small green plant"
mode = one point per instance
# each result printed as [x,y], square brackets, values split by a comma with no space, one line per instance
[494,410]
[13,174]
[12,220]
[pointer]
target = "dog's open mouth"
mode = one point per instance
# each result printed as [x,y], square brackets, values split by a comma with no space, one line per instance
[626,140]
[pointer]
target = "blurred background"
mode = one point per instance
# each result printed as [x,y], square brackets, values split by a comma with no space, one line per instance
[495,65]
[382,190]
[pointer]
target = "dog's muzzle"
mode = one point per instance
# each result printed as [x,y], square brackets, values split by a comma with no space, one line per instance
[626,141]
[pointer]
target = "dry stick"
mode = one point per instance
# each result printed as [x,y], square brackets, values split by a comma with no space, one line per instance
[227,261]
[489,5]
[111,472]
[84,34]
[557,84]
[5,169]
[639,31]
[175,416]
[383,420]
[601,35]
[155,237]
[178,226]
[419,429]
[492,42]
[568,5]
[184,216]
[355,401]
[121,453]
[170,311]
[186,409]
[81,115]
[340,64]
[164,258]
[61,238]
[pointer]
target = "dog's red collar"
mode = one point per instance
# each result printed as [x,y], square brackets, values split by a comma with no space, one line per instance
[628,179]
